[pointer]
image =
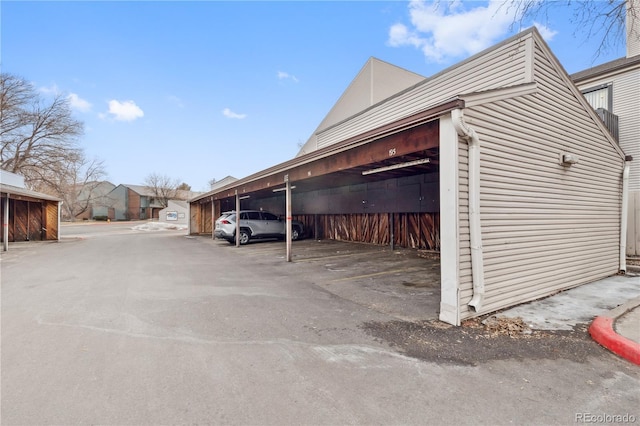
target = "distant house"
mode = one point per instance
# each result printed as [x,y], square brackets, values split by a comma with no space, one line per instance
[138,202]
[26,215]
[93,200]
[613,89]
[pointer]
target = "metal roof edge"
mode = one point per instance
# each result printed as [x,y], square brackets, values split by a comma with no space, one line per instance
[10,189]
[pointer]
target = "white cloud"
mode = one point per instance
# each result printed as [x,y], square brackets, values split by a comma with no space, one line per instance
[51,90]
[176,101]
[230,114]
[125,110]
[78,103]
[447,30]
[547,33]
[286,76]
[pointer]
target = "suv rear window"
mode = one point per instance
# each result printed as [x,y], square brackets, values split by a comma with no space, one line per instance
[269,216]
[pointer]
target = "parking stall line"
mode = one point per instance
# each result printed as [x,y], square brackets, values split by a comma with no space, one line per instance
[376,274]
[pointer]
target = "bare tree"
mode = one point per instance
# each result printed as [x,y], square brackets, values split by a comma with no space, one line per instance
[163,187]
[37,136]
[75,182]
[600,22]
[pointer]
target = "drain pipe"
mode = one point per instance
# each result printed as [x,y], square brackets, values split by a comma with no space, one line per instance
[477,267]
[624,214]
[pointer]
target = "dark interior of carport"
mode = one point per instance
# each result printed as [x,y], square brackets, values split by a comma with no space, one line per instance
[377,190]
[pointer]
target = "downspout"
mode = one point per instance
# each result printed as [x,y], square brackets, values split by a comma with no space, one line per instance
[624,213]
[477,268]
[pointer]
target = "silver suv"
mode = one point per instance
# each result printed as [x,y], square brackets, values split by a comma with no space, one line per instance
[255,224]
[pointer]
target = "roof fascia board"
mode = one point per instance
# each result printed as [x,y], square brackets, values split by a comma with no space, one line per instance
[562,73]
[614,67]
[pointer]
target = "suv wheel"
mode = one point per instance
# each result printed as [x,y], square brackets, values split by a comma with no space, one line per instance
[245,236]
[295,234]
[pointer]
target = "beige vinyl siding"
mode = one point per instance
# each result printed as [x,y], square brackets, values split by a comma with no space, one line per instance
[466,280]
[502,67]
[545,227]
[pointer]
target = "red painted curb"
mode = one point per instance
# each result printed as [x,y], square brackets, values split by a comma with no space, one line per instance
[602,331]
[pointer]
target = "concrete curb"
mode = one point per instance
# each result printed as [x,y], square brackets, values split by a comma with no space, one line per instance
[602,331]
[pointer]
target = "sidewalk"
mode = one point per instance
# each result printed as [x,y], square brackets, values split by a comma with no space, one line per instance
[619,330]
[610,305]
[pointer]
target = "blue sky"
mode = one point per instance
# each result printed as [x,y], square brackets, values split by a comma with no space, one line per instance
[202,90]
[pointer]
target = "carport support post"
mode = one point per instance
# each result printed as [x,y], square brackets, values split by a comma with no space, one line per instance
[288,216]
[213,220]
[449,223]
[391,230]
[237,219]
[5,225]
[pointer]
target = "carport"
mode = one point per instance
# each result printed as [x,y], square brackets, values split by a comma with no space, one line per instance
[381,188]
[503,144]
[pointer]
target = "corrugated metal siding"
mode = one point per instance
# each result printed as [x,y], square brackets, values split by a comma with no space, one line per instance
[545,227]
[495,69]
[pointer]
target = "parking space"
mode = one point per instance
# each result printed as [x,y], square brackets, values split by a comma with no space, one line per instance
[403,283]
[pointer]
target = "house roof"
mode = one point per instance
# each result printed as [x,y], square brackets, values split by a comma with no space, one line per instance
[376,81]
[224,181]
[23,192]
[607,67]
[148,192]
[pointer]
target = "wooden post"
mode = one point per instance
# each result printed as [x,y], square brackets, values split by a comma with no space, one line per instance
[237,219]
[315,227]
[391,231]
[213,220]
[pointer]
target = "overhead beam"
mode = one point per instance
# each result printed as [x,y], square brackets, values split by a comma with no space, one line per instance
[416,139]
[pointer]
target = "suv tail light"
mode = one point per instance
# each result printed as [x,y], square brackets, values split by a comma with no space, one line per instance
[225,222]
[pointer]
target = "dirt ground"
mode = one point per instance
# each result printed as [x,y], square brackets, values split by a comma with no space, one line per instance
[481,340]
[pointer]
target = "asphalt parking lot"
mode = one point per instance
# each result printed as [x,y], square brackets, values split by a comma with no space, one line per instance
[401,283]
[120,326]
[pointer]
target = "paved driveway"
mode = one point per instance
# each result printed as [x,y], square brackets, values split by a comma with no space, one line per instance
[116,326]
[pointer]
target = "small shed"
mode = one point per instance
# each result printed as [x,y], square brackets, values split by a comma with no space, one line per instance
[499,163]
[27,215]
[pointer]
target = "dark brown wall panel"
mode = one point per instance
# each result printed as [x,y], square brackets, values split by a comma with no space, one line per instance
[51,221]
[20,220]
[35,228]
[207,218]
[411,230]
